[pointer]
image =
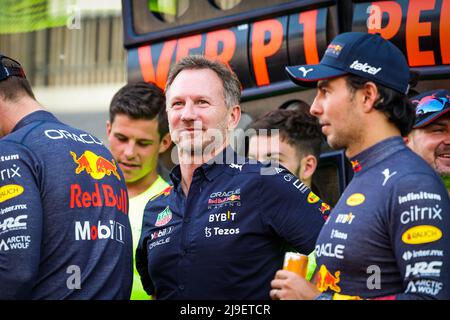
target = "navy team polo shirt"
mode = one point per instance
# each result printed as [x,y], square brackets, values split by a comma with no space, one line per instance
[226,239]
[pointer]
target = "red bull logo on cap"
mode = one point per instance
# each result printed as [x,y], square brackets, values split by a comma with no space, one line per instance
[327,281]
[96,166]
[334,49]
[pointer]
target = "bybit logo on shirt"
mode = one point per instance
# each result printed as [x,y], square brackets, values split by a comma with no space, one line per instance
[222,217]
[345,218]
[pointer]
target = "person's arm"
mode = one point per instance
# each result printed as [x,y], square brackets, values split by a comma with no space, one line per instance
[142,263]
[20,224]
[291,210]
[419,224]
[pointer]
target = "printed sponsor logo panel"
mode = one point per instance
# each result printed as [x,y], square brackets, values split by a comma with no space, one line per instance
[10,191]
[355,199]
[421,234]
[103,196]
[87,231]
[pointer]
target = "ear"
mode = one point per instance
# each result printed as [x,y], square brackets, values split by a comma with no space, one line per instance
[409,140]
[308,166]
[165,143]
[108,127]
[234,116]
[369,95]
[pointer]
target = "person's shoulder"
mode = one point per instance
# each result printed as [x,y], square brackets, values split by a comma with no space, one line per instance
[407,171]
[163,195]
[252,167]
[408,164]
[13,149]
[274,176]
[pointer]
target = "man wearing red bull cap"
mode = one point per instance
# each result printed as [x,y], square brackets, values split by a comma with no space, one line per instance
[64,228]
[387,236]
[430,137]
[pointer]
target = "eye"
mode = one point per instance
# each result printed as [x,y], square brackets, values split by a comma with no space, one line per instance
[121,138]
[202,102]
[145,143]
[176,104]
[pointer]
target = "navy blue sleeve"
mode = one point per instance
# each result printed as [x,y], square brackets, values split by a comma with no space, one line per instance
[420,225]
[291,209]
[142,261]
[20,223]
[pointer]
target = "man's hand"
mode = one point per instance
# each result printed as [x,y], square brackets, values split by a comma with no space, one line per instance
[288,285]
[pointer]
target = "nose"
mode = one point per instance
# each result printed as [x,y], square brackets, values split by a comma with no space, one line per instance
[188,113]
[129,151]
[316,108]
[447,138]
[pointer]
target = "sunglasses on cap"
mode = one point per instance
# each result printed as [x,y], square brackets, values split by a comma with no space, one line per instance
[10,71]
[431,105]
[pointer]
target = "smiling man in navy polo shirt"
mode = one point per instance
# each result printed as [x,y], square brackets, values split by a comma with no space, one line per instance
[221,231]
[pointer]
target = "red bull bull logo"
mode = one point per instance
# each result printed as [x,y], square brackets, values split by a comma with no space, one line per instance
[325,280]
[324,208]
[96,166]
[424,99]
[356,166]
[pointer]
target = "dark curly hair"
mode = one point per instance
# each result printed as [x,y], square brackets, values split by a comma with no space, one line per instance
[141,100]
[396,106]
[297,127]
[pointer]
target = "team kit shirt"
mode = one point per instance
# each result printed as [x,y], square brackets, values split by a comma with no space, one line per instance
[388,236]
[227,238]
[137,206]
[64,228]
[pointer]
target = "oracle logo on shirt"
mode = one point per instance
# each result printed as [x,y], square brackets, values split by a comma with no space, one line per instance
[330,250]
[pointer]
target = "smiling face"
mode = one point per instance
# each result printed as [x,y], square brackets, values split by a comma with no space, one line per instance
[197,114]
[135,144]
[432,143]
